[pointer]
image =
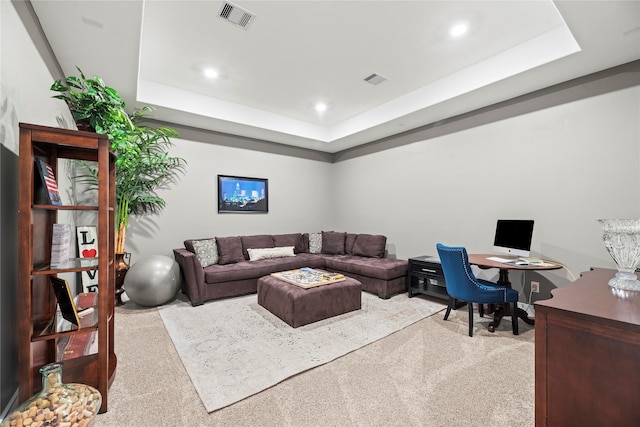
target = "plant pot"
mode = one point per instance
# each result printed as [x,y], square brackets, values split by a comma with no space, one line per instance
[85,125]
[122,264]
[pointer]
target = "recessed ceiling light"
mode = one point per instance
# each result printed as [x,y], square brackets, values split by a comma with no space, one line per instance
[459,29]
[211,73]
[320,107]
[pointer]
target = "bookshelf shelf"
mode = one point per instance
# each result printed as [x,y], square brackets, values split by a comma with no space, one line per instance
[73,266]
[43,336]
[66,207]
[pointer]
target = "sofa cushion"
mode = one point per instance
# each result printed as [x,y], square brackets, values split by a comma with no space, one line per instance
[333,242]
[188,244]
[258,241]
[378,268]
[293,239]
[229,250]
[349,241]
[206,251]
[369,245]
[315,243]
[256,254]
[244,270]
[305,241]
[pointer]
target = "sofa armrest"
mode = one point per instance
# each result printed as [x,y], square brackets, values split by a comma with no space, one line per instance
[193,275]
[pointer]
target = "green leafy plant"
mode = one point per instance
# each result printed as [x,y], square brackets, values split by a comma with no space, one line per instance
[143,163]
[94,105]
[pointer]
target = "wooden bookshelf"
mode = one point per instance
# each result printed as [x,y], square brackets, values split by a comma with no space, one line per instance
[39,329]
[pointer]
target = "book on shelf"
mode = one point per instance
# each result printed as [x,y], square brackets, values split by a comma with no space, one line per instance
[60,244]
[48,181]
[65,300]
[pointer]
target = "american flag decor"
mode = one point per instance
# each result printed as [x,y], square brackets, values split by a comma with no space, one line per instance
[49,181]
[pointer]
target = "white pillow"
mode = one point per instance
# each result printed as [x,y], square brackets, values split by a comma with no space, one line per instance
[266,253]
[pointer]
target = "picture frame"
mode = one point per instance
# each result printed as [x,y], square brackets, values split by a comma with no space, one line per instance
[241,194]
[65,300]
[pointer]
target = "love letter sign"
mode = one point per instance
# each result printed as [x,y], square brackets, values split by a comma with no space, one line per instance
[88,248]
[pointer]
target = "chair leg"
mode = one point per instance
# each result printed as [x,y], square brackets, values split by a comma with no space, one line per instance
[481,308]
[451,303]
[470,319]
[514,318]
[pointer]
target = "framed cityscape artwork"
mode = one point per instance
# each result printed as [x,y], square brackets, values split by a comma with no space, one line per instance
[239,194]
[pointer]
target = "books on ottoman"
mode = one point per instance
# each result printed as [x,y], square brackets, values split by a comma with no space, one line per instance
[308,277]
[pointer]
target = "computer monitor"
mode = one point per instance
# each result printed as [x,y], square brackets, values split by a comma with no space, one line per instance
[513,236]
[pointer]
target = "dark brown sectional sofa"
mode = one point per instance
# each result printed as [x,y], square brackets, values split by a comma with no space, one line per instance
[233,265]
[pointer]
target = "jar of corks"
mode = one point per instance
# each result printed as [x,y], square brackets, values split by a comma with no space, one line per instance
[58,404]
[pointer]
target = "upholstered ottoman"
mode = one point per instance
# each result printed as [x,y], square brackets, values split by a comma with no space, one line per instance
[298,306]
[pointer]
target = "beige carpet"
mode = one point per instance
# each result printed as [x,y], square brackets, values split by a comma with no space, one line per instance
[428,374]
[234,348]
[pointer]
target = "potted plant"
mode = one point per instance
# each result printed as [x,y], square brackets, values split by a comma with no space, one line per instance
[95,106]
[143,163]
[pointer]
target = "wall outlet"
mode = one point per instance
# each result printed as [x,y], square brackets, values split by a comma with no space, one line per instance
[535,286]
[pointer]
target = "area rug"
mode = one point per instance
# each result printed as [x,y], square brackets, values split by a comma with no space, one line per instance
[234,348]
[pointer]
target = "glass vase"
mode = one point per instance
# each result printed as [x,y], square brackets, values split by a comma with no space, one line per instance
[57,404]
[621,237]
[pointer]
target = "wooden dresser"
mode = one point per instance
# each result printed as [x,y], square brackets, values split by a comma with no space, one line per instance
[587,355]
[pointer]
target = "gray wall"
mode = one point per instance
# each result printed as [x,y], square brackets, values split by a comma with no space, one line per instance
[299,198]
[564,166]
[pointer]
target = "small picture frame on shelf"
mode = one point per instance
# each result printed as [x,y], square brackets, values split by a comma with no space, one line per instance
[239,194]
[65,300]
[48,183]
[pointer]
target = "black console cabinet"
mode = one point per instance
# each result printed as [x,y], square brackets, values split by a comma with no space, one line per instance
[425,276]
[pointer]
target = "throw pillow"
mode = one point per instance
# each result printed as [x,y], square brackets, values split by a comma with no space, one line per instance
[349,241]
[294,239]
[256,254]
[188,244]
[206,251]
[257,241]
[333,242]
[229,250]
[315,243]
[370,245]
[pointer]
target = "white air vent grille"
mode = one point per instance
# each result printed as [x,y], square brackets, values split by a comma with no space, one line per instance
[236,15]
[375,79]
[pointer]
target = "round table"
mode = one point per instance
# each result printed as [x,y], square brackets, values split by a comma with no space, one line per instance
[483,262]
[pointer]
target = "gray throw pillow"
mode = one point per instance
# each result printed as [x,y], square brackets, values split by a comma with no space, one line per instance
[370,245]
[206,251]
[315,243]
[229,250]
[333,242]
[349,241]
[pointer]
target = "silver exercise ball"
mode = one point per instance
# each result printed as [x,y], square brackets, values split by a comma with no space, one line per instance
[153,280]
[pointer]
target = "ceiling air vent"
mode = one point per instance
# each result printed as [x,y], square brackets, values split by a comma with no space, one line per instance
[236,15]
[375,79]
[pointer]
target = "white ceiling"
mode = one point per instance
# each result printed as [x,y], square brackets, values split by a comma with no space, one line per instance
[296,53]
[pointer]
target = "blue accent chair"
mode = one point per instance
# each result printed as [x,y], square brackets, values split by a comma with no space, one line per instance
[463,285]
